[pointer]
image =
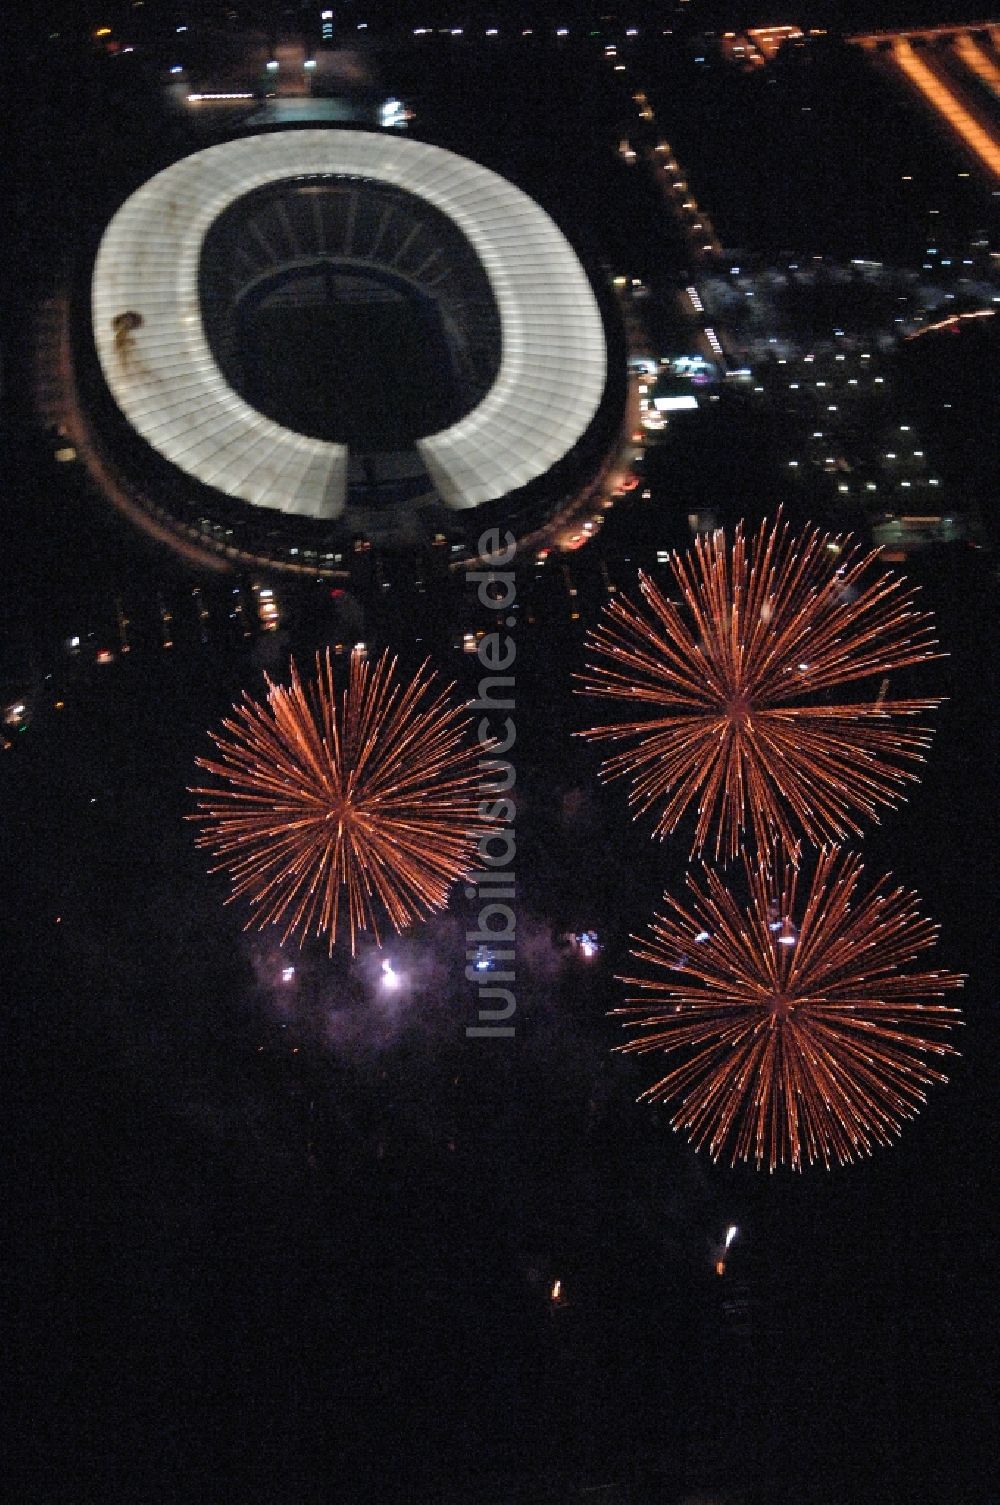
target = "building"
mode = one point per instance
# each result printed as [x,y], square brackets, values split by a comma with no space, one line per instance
[301,340]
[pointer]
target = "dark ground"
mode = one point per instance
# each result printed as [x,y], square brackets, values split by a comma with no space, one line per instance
[236,1267]
[319,1271]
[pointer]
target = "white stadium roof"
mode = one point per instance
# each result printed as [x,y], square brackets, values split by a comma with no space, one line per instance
[165,379]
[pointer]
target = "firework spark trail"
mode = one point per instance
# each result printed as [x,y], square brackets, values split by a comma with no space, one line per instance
[804,1035]
[355,800]
[736,680]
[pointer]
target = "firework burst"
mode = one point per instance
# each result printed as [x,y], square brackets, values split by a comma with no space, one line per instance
[337,805]
[803,1030]
[739,686]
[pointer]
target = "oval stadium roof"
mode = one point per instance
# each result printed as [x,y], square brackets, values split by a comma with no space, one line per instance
[163,376]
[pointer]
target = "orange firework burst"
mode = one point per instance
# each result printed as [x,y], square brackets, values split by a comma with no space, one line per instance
[335,804]
[804,1034]
[741,680]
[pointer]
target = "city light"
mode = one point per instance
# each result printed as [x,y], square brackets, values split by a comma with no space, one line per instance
[953,320]
[982,65]
[948,107]
[393,114]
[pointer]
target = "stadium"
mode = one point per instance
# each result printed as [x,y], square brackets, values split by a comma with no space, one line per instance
[303,338]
